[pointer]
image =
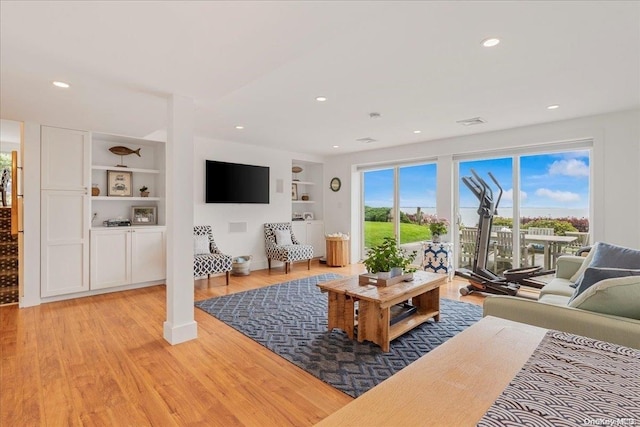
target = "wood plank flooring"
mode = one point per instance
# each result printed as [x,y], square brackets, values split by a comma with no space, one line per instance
[102,360]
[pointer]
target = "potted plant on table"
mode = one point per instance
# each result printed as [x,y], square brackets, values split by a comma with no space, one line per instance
[144,191]
[381,259]
[438,227]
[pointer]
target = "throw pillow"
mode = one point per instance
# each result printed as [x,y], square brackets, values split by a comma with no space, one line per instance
[619,297]
[612,256]
[585,264]
[594,275]
[201,245]
[283,237]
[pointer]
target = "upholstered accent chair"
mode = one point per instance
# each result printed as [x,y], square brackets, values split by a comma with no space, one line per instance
[207,258]
[281,244]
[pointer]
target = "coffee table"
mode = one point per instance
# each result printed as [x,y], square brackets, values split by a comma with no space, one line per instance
[375,323]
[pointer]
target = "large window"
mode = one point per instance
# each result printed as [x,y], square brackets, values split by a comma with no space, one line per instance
[552,208]
[398,201]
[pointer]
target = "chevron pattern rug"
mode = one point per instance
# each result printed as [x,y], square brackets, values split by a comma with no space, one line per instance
[290,319]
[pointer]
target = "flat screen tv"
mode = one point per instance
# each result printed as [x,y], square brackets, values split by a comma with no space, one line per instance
[236,183]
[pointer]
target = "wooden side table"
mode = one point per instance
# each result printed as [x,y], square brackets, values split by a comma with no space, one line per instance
[337,251]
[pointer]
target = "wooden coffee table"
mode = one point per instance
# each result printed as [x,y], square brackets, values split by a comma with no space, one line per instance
[374,306]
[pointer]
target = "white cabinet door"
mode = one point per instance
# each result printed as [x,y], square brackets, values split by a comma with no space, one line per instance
[299,229]
[64,243]
[65,162]
[147,255]
[110,258]
[315,237]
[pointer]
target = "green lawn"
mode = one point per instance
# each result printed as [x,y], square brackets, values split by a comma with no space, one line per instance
[374,232]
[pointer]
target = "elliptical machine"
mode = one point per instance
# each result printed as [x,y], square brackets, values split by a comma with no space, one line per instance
[480,278]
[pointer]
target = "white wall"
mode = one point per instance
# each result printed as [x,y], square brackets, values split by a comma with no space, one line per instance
[219,216]
[616,171]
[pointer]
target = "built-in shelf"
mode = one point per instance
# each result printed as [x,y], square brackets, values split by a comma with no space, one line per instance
[303,201]
[117,168]
[121,198]
[303,182]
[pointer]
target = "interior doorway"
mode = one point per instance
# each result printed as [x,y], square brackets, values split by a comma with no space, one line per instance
[11,137]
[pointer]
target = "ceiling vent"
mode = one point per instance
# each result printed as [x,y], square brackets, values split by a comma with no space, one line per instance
[366,140]
[473,121]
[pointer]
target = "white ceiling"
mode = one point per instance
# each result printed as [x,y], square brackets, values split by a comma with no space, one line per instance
[261,65]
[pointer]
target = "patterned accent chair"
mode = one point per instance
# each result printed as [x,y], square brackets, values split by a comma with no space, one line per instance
[212,262]
[289,251]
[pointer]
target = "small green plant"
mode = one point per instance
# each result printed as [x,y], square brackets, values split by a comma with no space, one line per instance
[387,255]
[143,188]
[437,225]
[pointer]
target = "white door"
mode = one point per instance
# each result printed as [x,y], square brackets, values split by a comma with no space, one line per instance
[315,237]
[65,163]
[110,258]
[147,255]
[64,242]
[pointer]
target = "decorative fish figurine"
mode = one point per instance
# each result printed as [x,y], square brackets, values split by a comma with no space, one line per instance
[124,151]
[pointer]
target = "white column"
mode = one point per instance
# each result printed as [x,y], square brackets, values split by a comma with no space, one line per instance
[445,194]
[31,210]
[180,325]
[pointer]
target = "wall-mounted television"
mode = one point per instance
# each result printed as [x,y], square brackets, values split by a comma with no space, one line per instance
[236,183]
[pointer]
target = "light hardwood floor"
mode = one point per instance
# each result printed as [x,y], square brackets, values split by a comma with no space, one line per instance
[102,360]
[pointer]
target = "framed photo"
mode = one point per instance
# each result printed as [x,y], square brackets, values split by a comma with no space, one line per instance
[297,216]
[307,216]
[294,191]
[144,215]
[119,183]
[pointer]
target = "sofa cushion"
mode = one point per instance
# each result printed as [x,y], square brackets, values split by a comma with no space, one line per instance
[201,245]
[593,275]
[554,299]
[619,296]
[557,286]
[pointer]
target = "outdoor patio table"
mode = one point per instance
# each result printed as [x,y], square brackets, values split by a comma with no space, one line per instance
[547,241]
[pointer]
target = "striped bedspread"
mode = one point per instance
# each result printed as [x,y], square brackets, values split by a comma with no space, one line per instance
[571,380]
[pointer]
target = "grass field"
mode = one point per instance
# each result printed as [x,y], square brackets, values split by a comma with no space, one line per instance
[374,232]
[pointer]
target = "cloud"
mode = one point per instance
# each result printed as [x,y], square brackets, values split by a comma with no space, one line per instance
[508,195]
[558,196]
[570,167]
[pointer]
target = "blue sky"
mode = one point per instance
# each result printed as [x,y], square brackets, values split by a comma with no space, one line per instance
[547,181]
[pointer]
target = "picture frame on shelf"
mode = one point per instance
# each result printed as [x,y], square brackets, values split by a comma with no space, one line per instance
[297,216]
[307,216]
[119,183]
[144,215]
[294,191]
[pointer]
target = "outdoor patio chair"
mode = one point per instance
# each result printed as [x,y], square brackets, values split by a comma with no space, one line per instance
[207,258]
[504,252]
[281,244]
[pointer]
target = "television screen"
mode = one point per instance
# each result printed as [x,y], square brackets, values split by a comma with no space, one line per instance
[236,183]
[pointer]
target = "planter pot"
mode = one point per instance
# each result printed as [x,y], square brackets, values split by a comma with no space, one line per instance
[144,194]
[435,238]
[396,271]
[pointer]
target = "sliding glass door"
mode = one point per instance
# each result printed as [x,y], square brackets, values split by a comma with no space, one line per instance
[398,202]
[551,207]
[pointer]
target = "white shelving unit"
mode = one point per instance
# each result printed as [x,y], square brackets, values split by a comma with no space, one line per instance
[146,170]
[308,182]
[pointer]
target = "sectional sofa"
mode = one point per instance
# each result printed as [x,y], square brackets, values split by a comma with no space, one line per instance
[607,309]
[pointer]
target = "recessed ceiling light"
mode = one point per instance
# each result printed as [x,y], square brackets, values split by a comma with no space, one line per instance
[61,84]
[553,107]
[490,42]
[321,98]
[336,146]
[417,131]
[239,127]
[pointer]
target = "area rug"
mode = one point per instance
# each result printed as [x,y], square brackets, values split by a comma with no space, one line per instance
[290,319]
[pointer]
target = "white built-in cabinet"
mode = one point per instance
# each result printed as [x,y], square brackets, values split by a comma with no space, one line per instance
[123,256]
[310,233]
[64,198]
[79,254]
